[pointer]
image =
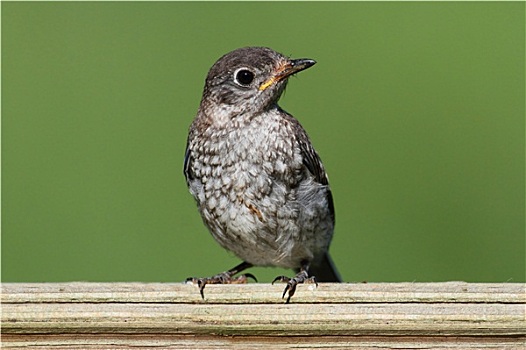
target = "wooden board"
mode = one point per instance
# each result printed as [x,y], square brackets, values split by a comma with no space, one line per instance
[357,316]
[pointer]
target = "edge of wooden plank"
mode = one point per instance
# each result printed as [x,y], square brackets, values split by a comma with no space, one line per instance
[256,293]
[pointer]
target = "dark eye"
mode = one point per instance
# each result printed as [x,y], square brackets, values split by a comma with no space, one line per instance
[244,77]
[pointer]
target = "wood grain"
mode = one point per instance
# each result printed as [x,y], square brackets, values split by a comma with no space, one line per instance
[374,315]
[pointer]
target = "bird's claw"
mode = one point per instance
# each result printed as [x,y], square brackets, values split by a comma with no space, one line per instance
[281,279]
[301,277]
[221,278]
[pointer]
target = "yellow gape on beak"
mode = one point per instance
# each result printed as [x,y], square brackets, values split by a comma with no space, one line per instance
[287,69]
[269,82]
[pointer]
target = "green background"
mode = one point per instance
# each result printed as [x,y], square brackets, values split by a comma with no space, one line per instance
[417,110]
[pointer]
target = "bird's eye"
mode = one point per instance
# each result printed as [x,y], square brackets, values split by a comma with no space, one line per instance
[243,77]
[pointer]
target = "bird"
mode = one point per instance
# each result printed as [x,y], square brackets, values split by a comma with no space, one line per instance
[260,186]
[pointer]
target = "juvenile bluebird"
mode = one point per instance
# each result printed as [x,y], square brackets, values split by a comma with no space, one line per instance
[260,186]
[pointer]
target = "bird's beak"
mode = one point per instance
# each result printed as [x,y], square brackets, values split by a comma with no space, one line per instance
[286,69]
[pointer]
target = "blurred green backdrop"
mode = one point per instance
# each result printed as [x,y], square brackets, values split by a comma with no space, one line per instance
[417,110]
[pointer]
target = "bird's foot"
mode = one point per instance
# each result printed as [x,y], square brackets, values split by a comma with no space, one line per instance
[226,277]
[301,277]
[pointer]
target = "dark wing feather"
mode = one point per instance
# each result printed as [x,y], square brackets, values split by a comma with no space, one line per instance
[312,162]
[187,168]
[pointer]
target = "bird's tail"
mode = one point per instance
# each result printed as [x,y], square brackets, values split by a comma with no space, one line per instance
[325,270]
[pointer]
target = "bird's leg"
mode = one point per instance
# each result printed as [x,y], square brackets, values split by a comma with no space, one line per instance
[301,277]
[226,277]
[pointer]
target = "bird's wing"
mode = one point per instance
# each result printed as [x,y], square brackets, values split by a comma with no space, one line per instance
[187,168]
[312,162]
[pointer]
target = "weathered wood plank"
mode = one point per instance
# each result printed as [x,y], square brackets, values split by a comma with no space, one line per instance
[257,293]
[164,341]
[365,316]
[263,319]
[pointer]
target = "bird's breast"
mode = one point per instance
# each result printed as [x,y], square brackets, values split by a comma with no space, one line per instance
[250,184]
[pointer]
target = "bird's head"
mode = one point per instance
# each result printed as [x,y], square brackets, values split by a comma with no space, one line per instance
[249,79]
